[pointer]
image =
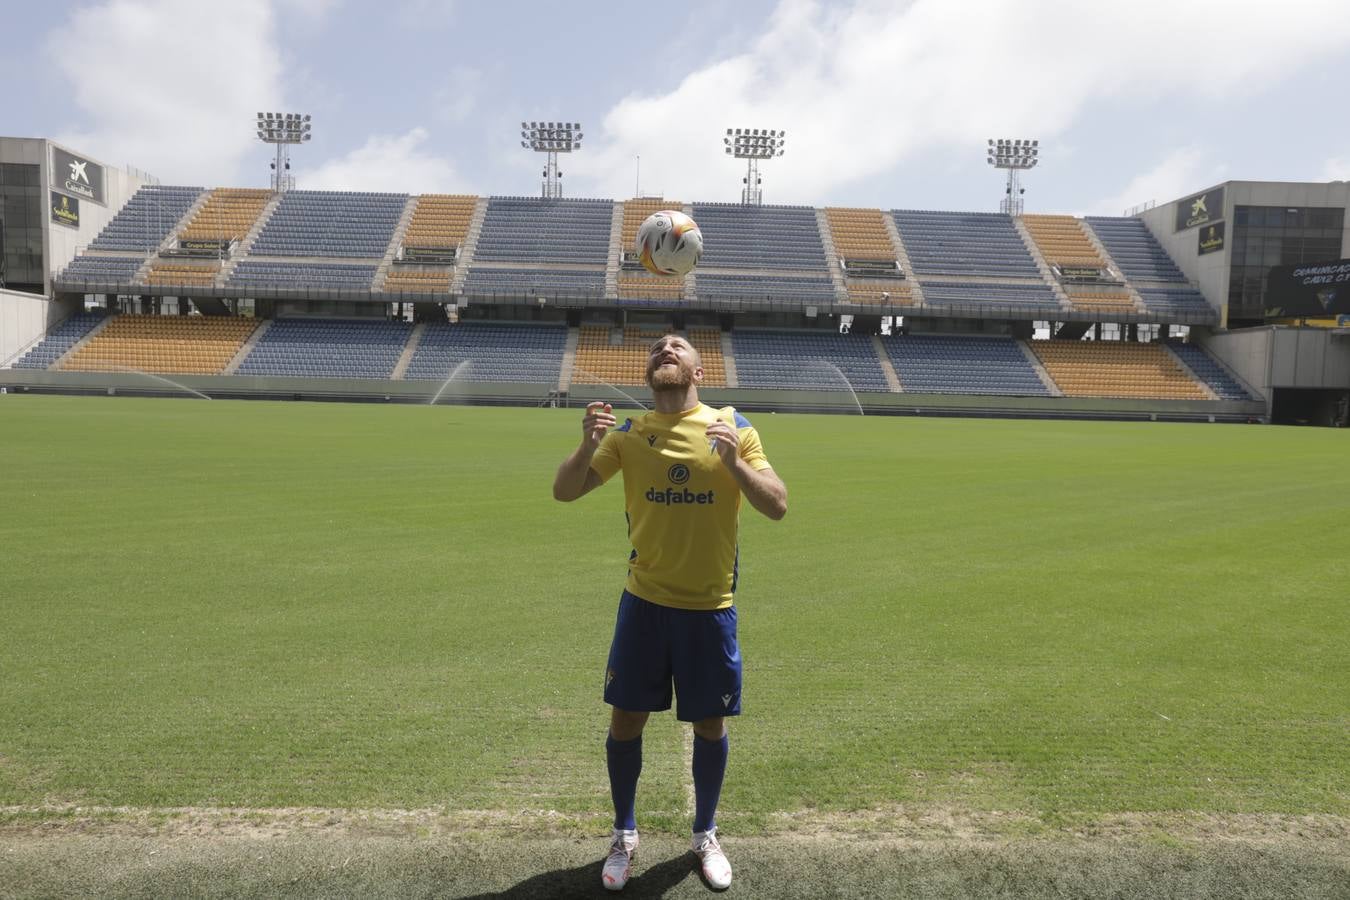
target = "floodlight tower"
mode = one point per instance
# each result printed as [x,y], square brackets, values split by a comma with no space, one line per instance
[1013,155]
[551,138]
[753,144]
[283,129]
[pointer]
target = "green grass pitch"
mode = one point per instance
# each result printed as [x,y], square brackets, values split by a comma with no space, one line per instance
[328,605]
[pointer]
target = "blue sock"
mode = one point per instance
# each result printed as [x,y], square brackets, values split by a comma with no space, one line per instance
[625,765]
[710,764]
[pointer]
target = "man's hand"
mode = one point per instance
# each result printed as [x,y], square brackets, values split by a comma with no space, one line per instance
[726,441]
[598,420]
[575,476]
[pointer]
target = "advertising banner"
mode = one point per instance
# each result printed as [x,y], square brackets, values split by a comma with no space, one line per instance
[76,176]
[1211,238]
[1200,209]
[1317,289]
[65,210]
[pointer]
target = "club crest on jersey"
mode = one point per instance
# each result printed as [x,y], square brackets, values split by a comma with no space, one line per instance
[678,474]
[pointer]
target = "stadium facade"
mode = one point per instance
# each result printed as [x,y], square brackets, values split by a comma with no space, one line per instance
[110,276]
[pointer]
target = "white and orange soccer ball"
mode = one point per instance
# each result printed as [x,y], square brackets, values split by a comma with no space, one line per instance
[669,243]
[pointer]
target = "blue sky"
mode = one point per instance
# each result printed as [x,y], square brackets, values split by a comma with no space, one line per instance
[886,104]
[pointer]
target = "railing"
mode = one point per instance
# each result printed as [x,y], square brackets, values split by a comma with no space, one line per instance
[564,299]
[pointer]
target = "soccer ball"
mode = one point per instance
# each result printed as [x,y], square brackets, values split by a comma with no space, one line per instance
[669,243]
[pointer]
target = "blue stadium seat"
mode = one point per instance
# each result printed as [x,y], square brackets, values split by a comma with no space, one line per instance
[807,360]
[1210,372]
[59,340]
[328,348]
[147,218]
[951,243]
[331,223]
[494,352]
[941,364]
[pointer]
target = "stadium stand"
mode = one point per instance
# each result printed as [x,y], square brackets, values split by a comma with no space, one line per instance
[201,274]
[1134,249]
[1176,301]
[642,286]
[59,340]
[942,364]
[708,343]
[805,288]
[1033,298]
[1116,369]
[347,276]
[331,223]
[420,279]
[879,290]
[972,244]
[619,356]
[495,352]
[599,359]
[814,361]
[198,345]
[531,282]
[440,221]
[860,234]
[106,269]
[1062,241]
[147,218]
[328,348]
[1210,372]
[634,282]
[760,237]
[871,274]
[534,230]
[1104,301]
[227,215]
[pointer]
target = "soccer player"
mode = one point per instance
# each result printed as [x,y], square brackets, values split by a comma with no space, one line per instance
[685,467]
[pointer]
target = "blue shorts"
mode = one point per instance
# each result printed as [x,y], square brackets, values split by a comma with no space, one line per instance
[656,646]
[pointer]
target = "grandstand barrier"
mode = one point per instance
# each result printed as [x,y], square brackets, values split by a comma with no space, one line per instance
[750,400]
[703,301]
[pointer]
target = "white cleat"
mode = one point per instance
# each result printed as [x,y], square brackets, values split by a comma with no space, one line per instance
[716,869]
[619,863]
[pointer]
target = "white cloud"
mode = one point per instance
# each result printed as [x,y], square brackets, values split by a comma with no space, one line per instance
[1336,169]
[1180,172]
[860,89]
[169,87]
[387,163]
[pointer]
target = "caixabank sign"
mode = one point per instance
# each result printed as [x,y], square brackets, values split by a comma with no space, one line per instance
[65,210]
[76,176]
[1200,209]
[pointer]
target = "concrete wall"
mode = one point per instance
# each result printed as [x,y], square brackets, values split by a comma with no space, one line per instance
[24,318]
[1246,352]
[1309,358]
[1211,271]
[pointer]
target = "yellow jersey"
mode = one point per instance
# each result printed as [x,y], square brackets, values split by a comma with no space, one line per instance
[683,505]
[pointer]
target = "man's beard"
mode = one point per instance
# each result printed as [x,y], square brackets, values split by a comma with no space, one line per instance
[666,379]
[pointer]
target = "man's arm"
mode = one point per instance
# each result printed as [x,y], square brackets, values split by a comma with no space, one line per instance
[762,487]
[575,476]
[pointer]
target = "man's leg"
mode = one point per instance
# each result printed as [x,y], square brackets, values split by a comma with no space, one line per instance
[709,767]
[623,751]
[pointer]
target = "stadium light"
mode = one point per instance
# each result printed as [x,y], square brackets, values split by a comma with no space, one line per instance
[1013,154]
[283,129]
[551,138]
[753,145]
